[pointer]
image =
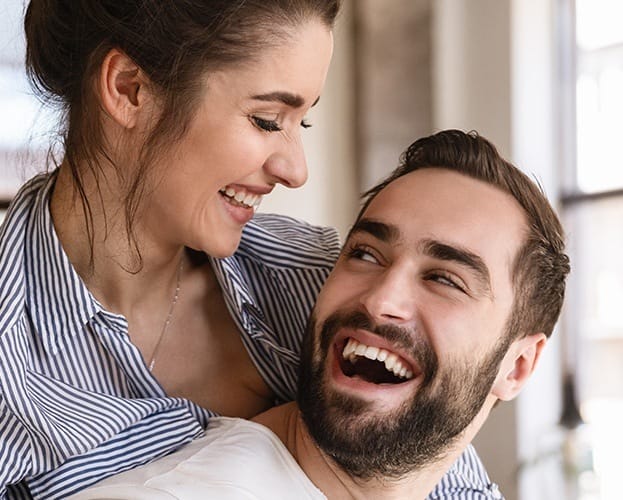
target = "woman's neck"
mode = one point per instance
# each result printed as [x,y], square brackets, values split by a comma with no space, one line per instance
[108,264]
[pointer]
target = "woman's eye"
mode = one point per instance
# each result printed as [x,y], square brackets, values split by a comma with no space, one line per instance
[306,124]
[266,125]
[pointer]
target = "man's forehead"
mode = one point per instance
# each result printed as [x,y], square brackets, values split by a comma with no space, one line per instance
[444,196]
[443,205]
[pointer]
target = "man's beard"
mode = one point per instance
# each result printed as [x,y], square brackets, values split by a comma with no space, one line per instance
[418,433]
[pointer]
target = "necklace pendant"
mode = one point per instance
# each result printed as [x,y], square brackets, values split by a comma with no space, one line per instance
[167,321]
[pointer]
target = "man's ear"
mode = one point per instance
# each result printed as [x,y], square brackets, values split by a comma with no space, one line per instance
[121,88]
[517,366]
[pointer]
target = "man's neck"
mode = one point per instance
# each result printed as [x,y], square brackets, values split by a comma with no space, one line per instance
[286,422]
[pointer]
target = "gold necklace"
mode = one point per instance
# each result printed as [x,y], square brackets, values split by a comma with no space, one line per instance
[167,321]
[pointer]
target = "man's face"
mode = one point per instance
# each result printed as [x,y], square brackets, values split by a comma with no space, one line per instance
[408,332]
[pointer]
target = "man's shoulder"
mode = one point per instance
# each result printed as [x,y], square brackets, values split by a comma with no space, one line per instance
[466,479]
[249,442]
[235,458]
[282,241]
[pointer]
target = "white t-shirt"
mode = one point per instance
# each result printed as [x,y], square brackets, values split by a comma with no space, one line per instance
[235,460]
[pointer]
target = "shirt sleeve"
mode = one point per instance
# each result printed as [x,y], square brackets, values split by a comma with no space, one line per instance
[270,286]
[15,449]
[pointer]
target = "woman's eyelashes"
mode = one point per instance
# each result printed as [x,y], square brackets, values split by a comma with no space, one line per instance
[268,125]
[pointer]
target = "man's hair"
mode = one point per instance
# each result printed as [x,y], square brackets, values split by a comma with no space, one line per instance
[540,266]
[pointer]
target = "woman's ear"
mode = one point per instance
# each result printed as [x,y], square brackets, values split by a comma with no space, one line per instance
[122,88]
[517,366]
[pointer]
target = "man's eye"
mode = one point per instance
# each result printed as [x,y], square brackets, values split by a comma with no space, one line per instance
[266,125]
[445,280]
[360,253]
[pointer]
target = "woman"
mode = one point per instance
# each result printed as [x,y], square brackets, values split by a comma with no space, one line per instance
[124,322]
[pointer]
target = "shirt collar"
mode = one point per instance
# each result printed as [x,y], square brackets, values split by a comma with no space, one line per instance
[59,303]
[236,290]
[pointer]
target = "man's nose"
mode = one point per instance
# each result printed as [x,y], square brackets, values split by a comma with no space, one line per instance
[287,165]
[391,298]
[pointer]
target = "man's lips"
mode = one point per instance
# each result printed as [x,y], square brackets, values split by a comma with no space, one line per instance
[366,362]
[354,351]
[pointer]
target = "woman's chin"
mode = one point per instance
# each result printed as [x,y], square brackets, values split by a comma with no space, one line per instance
[225,247]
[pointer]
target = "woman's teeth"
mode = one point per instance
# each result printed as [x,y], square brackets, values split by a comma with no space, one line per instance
[242,198]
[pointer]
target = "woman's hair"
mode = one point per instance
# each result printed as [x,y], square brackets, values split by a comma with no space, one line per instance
[174,42]
[540,266]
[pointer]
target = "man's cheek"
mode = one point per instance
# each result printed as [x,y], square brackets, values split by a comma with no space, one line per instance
[342,290]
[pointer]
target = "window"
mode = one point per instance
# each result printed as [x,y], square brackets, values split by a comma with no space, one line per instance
[593,213]
[24,124]
[599,39]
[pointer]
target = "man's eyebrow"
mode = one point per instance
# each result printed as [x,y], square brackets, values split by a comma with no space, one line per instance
[380,230]
[461,256]
[287,98]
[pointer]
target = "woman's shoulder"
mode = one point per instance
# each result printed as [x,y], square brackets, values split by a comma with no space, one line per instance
[28,191]
[13,242]
[280,239]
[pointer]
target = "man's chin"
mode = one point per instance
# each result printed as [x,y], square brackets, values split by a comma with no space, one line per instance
[368,441]
[356,417]
[377,430]
[364,400]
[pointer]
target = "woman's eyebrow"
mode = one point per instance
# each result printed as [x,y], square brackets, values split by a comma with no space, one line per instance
[287,98]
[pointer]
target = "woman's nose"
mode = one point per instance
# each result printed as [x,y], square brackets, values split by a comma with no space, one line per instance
[288,165]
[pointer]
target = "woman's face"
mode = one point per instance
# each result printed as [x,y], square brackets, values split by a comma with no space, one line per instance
[244,139]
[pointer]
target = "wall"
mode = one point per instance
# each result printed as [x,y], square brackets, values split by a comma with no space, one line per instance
[393,82]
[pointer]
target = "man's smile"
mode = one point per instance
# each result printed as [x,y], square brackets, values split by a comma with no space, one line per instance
[377,364]
[373,368]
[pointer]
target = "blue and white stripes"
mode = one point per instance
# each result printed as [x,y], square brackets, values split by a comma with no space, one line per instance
[466,480]
[77,402]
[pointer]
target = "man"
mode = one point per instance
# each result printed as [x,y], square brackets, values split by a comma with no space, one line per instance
[449,284]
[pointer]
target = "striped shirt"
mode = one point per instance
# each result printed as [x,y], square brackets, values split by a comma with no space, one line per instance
[78,403]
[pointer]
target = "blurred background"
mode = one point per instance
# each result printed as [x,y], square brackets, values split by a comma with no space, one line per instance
[542,79]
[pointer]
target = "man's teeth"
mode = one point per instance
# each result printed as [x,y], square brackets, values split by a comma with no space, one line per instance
[354,349]
[249,199]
